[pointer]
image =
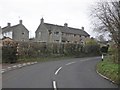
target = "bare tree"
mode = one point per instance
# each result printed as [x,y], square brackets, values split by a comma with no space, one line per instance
[101,38]
[106,17]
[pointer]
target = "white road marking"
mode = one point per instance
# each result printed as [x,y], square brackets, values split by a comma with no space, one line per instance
[19,65]
[9,67]
[35,62]
[105,77]
[28,63]
[24,64]
[2,71]
[54,85]
[69,63]
[58,70]
[14,66]
[32,62]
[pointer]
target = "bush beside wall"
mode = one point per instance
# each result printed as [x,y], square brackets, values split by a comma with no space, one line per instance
[41,50]
[9,52]
[36,49]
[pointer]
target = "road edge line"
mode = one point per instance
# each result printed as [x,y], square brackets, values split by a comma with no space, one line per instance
[16,67]
[105,77]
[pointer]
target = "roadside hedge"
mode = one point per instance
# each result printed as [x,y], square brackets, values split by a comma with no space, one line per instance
[9,50]
[9,54]
[36,49]
[41,50]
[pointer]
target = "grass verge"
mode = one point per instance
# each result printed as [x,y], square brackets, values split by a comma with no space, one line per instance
[42,59]
[109,69]
[51,58]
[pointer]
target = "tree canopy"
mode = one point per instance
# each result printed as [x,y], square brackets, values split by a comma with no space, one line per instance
[106,18]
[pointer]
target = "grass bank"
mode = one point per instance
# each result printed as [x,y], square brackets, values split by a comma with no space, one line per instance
[52,58]
[109,69]
[43,59]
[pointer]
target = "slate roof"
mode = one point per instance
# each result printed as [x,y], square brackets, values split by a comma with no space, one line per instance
[66,29]
[10,28]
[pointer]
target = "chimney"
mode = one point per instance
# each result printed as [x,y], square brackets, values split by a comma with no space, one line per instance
[82,28]
[42,20]
[65,24]
[20,21]
[9,24]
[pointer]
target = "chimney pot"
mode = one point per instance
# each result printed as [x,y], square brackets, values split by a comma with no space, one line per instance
[82,28]
[9,24]
[20,21]
[66,25]
[42,20]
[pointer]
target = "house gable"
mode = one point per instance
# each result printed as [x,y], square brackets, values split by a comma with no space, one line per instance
[18,32]
[42,33]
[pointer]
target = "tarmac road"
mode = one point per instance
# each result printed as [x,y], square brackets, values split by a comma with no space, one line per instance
[69,73]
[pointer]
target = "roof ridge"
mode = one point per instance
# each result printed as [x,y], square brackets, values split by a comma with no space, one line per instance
[15,25]
[68,30]
[75,28]
[10,26]
[63,26]
[53,24]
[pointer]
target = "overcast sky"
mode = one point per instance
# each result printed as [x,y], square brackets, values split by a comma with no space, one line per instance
[73,12]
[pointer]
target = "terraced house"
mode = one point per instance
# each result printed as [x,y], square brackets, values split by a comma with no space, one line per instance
[51,33]
[17,32]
